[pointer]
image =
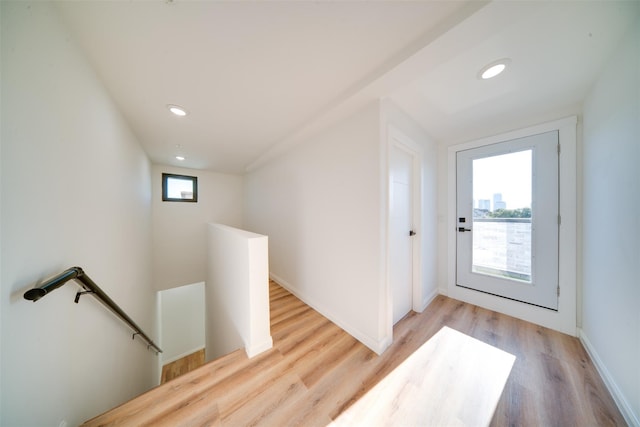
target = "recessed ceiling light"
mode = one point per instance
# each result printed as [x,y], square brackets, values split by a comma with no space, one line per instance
[177,110]
[493,69]
[181,158]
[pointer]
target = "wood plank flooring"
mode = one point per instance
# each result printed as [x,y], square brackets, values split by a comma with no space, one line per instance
[448,362]
[316,371]
[182,366]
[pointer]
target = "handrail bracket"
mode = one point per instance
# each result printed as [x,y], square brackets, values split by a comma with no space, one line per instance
[80,293]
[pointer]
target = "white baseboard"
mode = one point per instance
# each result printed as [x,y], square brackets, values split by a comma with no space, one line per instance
[429,298]
[627,412]
[180,356]
[378,346]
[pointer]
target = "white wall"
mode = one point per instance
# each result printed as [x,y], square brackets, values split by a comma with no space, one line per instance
[320,205]
[611,218]
[237,292]
[76,190]
[181,321]
[324,207]
[180,229]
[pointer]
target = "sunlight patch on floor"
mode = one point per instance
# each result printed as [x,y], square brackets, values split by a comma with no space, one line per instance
[452,379]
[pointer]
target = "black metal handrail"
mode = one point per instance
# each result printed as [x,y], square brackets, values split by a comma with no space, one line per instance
[89,287]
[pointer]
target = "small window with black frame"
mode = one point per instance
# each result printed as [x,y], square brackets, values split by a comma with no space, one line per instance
[179,188]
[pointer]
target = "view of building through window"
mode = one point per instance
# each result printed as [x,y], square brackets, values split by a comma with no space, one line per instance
[502,195]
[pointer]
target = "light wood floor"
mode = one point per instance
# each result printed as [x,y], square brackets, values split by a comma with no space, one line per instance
[316,371]
[182,366]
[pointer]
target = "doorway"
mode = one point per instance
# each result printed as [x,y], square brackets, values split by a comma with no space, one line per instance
[507,215]
[404,223]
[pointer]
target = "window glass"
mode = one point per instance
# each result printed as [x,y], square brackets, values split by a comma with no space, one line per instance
[179,188]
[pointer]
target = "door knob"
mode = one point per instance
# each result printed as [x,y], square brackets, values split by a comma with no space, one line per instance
[462,229]
[412,233]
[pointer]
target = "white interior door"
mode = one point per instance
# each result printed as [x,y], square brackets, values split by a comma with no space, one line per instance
[401,231]
[508,219]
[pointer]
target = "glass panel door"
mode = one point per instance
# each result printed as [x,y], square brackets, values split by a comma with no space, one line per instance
[507,208]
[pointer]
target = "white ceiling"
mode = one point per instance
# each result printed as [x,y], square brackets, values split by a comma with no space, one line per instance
[254,76]
[557,50]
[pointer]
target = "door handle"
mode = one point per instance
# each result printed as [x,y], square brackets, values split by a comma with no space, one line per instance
[412,233]
[462,229]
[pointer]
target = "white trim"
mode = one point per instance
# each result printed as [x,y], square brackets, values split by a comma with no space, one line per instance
[625,408]
[377,346]
[180,356]
[564,319]
[428,299]
[258,348]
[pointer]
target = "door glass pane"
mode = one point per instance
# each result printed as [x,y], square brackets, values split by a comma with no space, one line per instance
[502,216]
